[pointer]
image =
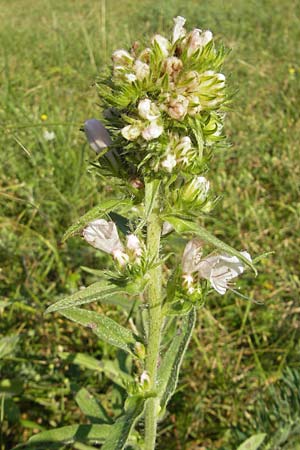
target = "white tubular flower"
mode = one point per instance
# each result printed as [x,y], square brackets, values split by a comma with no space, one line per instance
[104,236]
[142,70]
[219,270]
[191,256]
[178,31]
[148,110]
[177,107]
[97,135]
[131,132]
[152,131]
[198,39]
[169,163]
[184,145]
[163,44]
[133,244]
[122,58]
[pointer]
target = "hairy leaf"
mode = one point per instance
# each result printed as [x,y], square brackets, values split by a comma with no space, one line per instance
[186,226]
[123,426]
[102,291]
[105,328]
[168,371]
[90,406]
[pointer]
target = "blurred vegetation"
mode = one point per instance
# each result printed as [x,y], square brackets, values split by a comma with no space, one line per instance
[242,371]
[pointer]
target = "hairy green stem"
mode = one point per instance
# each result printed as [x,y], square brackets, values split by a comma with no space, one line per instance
[155,314]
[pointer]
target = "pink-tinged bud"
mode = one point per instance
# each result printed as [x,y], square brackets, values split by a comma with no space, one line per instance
[219,270]
[152,131]
[131,132]
[177,107]
[142,70]
[148,110]
[191,256]
[97,135]
[169,163]
[104,236]
[163,44]
[122,58]
[198,39]
[178,31]
[144,56]
[173,66]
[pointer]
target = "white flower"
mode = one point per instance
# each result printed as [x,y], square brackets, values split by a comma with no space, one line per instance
[49,135]
[97,135]
[198,39]
[131,132]
[152,131]
[104,236]
[219,270]
[184,145]
[178,31]
[142,69]
[122,58]
[169,163]
[148,110]
[163,44]
[191,256]
[133,244]
[166,228]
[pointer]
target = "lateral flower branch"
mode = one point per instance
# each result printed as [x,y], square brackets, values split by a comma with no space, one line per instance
[163,108]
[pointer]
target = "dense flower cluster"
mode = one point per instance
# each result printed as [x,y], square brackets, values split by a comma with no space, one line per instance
[165,103]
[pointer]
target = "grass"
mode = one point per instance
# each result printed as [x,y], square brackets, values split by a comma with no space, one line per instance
[244,357]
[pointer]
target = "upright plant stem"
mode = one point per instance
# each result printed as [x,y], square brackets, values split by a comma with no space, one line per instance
[155,316]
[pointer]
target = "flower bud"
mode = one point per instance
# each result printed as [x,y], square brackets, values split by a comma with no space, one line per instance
[169,163]
[148,110]
[198,39]
[144,56]
[97,135]
[134,245]
[131,132]
[142,70]
[122,58]
[140,350]
[195,190]
[173,66]
[177,107]
[152,131]
[163,44]
[145,380]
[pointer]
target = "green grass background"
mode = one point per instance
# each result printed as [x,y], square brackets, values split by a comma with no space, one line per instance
[241,373]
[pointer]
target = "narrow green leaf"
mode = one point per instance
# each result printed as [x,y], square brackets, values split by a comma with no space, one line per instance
[120,431]
[104,327]
[253,443]
[168,371]
[88,404]
[101,291]
[186,226]
[72,433]
[151,193]
[110,368]
[96,213]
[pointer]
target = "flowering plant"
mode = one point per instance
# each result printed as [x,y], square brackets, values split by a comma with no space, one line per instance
[164,108]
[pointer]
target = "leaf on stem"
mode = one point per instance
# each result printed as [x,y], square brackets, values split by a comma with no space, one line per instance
[105,328]
[253,443]
[90,406]
[168,371]
[120,431]
[186,226]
